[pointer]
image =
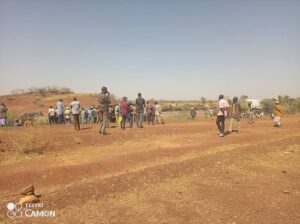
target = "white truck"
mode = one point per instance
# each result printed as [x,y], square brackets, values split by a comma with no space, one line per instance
[256,107]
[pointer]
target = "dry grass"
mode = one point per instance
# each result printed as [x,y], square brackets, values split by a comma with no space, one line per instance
[32,141]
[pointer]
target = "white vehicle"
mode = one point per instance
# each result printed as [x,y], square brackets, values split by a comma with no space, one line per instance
[255,104]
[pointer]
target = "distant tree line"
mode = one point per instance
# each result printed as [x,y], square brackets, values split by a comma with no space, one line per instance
[43,90]
[290,105]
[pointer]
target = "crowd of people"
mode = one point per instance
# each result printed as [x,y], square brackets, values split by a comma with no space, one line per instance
[138,113]
[106,113]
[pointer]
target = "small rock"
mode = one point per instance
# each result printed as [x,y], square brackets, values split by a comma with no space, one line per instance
[218,163]
[77,141]
[283,171]
[0,141]
[29,199]
[286,152]
[285,192]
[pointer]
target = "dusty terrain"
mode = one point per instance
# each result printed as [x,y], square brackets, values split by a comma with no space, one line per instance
[179,172]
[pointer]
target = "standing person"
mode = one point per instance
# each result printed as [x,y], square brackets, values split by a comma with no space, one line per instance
[206,112]
[110,114]
[193,113]
[68,115]
[3,115]
[117,113]
[93,115]
[75,107]
[81,117]
[250,113]
[145,114]
[60,111]
[149,112]
[278,111]
[51,115]
[211,113]
[124,111]
[158,117]
[222,114]
[235,114]
[86,115]
[140,104]
[104,101]
[129,114]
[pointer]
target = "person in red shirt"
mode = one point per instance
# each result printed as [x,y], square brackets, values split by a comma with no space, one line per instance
[124,111]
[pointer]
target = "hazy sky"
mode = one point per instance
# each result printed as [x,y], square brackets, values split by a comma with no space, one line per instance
[164,48]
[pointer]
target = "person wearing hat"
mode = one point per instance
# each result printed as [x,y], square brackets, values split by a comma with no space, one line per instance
[278,111]
[75,107]
[104,102]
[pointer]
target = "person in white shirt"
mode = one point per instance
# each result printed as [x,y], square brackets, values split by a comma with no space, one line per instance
[51,115]
[68,115]
[75,107]
[222,114]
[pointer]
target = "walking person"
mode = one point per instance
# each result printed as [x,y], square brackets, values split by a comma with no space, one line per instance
[222,114]
[51,115]
[60,111]
[235,114]
[140,105]
[104,102]
[278,111]
[75,107]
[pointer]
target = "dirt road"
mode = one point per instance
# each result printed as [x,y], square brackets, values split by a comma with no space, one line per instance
[172,173]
